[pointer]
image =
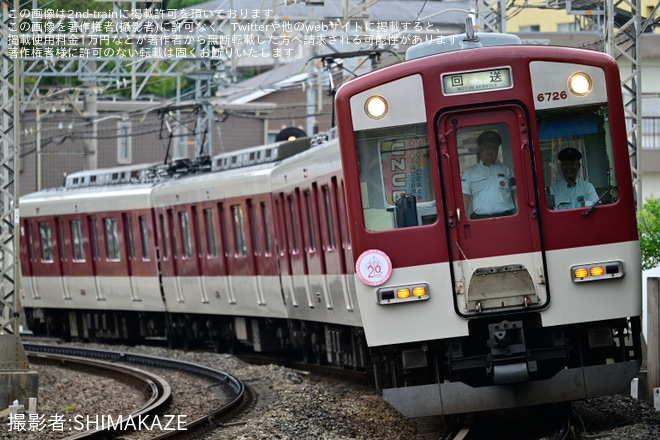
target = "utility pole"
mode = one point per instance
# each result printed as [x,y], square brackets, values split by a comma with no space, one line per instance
[17,382]
[622,43]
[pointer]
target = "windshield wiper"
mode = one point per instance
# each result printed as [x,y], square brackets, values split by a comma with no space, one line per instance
[591,208]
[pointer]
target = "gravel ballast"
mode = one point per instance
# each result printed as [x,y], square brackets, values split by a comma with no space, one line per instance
[292,406]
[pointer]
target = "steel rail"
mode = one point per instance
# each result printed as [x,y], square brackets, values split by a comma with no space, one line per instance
[232,385]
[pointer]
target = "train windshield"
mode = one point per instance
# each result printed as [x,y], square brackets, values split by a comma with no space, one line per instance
[486,165]
[396,177]
[578,164]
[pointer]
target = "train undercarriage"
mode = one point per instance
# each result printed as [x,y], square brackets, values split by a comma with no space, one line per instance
[311,341]
[509,363]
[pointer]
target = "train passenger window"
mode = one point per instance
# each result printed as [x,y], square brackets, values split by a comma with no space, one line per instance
[186,238]
[310,220]
[253,227]
[170,222]
[395,168]
[30,239]
[60,240]
[144,237]
[266,223]
[294,225]
[164,234]
[111,238]
[209,222]
[239,230]
[46,236]
[487,172]
[130,238]
[77,240]
[223,228]
[94,237]
[578,164]
[328,217]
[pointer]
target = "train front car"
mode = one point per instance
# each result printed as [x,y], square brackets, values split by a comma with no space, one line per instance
[483,283]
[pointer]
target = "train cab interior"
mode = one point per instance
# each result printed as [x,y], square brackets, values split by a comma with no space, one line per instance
[396,177]
[585,129]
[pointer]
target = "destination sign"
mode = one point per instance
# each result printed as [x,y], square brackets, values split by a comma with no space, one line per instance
[479,81]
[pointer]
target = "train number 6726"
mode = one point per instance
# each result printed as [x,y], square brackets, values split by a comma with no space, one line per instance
[551,96]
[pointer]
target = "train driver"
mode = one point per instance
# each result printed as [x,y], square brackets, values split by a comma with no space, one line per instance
[489,184]
[571,191]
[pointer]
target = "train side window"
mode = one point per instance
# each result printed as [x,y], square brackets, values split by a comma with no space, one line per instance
[130,238]
[77,240]
[223,228]
[144,237]
[294,225]
[186,238]
[328,217]
[111,238]
[170,222]
[487,171]
[239,230]
[253,227]
[209,223]
[395,165]
[578,162]
[46,236]
[310,220]
[30,239]
[164,235]
[266,222]
[94,237]
[64,256]
[281,224]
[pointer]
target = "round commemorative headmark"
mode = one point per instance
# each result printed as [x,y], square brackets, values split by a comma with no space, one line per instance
[373,267]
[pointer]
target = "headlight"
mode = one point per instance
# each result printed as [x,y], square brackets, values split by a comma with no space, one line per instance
[376,107]
[580,84]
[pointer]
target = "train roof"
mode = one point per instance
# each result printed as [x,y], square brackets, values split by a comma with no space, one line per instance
[452,43]
[94,199]
[182,167]
[232,174]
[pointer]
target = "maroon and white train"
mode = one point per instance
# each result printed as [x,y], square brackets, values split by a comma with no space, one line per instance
[359,249]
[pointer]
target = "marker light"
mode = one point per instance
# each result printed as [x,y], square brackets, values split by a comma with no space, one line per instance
[597,271]
[580,84]
[403,293]
[376,107]
[419,291]
[581,272]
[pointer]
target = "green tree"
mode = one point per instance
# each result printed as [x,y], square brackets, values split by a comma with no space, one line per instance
[648,223]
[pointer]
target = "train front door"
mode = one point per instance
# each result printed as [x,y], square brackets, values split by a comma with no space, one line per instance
[492,210]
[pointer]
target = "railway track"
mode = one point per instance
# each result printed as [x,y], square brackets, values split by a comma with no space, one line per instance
[105,362]
[546,422]
[493,425]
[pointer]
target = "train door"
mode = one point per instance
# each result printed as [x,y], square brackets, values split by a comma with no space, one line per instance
[92,224]
[175,256]
[28,263]
[197,254]
[286,274]
[493,223]
[257,248]
[63,257]
[131,256]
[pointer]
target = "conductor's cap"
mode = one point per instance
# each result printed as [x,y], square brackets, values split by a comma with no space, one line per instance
[569,154]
